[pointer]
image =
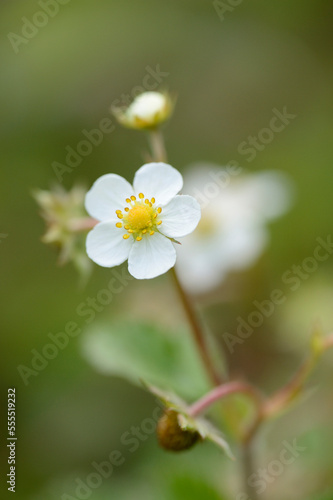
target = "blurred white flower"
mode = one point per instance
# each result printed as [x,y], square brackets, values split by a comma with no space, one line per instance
[232,231]
[140,223]
[147,110]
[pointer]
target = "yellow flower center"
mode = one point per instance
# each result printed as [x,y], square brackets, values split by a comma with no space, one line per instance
[140,218]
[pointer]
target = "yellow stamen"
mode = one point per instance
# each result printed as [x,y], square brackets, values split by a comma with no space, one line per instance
[139,217]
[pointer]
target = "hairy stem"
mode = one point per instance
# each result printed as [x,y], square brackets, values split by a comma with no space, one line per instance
[157,146]
[248,470]
[197,331]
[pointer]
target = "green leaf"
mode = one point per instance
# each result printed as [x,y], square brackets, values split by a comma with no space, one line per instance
[136,351]
[189,488]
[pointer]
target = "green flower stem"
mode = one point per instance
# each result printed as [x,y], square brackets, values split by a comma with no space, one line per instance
[157,146]
[248,470]
[197,331]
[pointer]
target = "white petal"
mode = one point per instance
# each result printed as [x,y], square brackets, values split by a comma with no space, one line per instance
[152,256]
[107,195]
[196,271]
[159,181]
[276,191]
[106,246]
[266,195]
[244,246]
[180,216]
[214,256]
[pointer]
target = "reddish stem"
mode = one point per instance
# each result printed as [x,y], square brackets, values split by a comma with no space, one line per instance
[284,396]
[82,224]
[221,392]
[328,342]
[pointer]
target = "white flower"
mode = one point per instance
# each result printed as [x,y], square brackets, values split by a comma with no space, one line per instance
[232,232]
[146,111]
[139,223]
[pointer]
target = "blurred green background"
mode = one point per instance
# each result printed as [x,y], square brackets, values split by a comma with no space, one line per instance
[228,74]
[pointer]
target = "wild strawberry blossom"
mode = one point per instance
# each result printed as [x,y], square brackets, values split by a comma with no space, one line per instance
[140,223]
[232,232]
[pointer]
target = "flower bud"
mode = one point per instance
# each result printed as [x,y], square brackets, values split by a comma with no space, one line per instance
[148,110]
[63,211]
[170,434]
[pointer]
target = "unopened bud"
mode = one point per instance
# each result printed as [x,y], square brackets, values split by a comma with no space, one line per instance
[147,111]
[170,434]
